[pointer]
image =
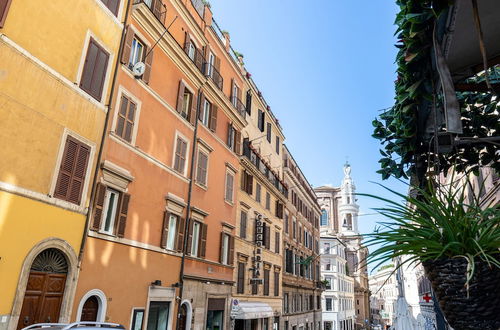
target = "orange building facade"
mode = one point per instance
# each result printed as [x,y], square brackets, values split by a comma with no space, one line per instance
[159,251]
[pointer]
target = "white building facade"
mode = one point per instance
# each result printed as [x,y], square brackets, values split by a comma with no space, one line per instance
[384,293]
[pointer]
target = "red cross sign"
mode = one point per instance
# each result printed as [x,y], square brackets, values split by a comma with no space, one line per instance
[427,297]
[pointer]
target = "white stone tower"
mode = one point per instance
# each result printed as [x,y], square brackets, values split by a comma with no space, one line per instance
[348,209]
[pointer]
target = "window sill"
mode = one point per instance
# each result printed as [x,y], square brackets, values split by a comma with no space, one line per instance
[202,186]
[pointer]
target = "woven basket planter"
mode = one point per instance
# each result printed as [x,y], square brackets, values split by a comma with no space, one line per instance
[481,309]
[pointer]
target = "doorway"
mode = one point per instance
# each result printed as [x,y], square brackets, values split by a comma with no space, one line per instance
[45,289]
[90,309]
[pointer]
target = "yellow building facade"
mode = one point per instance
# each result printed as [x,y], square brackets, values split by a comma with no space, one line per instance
[57,61]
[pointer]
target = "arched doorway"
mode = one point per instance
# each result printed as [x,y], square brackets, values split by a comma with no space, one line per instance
[45,288]
[182,318]
[90,309]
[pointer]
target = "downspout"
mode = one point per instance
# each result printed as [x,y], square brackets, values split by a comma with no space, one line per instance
[103,137]
[188,206]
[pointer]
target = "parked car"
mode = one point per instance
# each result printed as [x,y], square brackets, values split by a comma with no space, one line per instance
[75,325]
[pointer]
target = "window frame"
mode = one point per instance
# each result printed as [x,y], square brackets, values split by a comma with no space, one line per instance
[207,154]
[174,156]
[171,238]
[122,92]
[105,210]
[91,38]
[144,49]
[195,241]
[205,117]
[232,174]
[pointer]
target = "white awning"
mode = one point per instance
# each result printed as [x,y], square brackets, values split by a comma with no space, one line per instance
[251,310]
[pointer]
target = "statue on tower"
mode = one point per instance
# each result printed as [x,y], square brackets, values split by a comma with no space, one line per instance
[347,169]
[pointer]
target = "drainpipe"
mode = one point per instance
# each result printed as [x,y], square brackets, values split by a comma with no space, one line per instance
[103,137]
[188,206]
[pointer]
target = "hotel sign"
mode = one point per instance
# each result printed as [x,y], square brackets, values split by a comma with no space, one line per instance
[257,253]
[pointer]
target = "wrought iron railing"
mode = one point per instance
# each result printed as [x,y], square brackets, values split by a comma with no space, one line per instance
[157,7]
[240,107]
[257,161]
[213,73]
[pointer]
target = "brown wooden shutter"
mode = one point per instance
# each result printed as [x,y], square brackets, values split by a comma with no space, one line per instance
[230,143]
[156,8]
[232,89]
[244,180]
[190,236]
[217,64]
[127,45]
[180,234]
[241,278]
[237,142]
[277,242]
[98,206]
[201,97]
[122,215]
[249,189]
[203,240]
[187,41]
[231,250]
[213,118]
[164,230]
[276,283]
[4,9]
[221,248]
[194,106]
[266,282]
[149,62]
[180,97]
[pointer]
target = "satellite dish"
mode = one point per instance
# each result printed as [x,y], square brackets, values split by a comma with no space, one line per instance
[138,69]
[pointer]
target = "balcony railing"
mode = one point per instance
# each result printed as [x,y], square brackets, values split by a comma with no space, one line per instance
[240,107]
[256,160]
[195,55]
[214,74]
[157,8]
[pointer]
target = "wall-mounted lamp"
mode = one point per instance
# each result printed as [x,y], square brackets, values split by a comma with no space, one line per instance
[156,282]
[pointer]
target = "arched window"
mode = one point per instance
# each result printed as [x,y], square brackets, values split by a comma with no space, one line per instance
[324,217]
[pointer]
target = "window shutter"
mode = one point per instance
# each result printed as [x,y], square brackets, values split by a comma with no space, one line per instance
[113,6]
[237,142]
[4,9]
[213,118]
[266,282]
[149,62]
[249,184]
[217,64]
[203,240]
[276,283]
[127,46]
[156,8]
[190,236]
[231,250]
[180,97]
[232,89]
[98,206]
[267,236]
[269,132]
[243,225]
[230,143]
[248,105]
[221,250]
[201,97]
[94,70]
[192,114]
[180,234]
[164,231]
[187,41]
[277,242]
[122,219]
[241,278]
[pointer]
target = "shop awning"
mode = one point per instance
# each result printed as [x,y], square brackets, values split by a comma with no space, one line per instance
[251,310]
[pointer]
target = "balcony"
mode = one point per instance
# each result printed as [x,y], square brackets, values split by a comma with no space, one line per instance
[240,107]
[157,7]
[195,55]
[259,164]
[214,74]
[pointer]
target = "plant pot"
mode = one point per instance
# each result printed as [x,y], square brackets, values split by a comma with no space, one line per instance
[481,308]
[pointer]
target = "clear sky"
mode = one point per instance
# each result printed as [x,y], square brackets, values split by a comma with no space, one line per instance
[325,67]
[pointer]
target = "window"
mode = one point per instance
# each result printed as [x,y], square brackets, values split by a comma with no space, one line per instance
[180,155]
[257,192]
[172,229]
[324,217]
[266,282]
[328,283]
[94,70]
[268,201]
[326,248]
[195,239]
[158,315]
[235,92]
[112,5]
[229,187]
[247,183]
[277,242]
[294,228]
[233,139]
[285,303]
[205,113]
[125,119]
[268,132]
[248,105]
[72,171]
[224,249]
[240,286]
[243,224]
[210,64]
[187,103]
[286,223]
[261,120]
[276,284]
[137,318]
[278,145]
[191,52]
[137,53]
[201,168]
[328,304]
[109,211]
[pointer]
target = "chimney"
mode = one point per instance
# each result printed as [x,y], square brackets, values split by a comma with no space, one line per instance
[227,41]
[207,15]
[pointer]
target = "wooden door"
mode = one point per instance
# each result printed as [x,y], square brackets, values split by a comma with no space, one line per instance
[89,310]
[181,321]
[42,299]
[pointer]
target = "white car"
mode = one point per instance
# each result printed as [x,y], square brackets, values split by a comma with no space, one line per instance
[75,325]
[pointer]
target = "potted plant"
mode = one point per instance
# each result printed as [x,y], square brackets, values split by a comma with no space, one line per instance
[458,244]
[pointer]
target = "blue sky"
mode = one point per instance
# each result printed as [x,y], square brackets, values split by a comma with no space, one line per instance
[325,68]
